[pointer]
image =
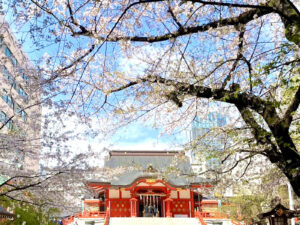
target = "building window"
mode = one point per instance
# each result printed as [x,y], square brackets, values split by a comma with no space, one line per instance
[9,54]
[9,77]
[24,115]
[12,82]
[18,109]
[2,117]
[24,76]
[7,98]
[23,94]
[21,112]
[14,60]
[10,125]
[7,51]
[3,120]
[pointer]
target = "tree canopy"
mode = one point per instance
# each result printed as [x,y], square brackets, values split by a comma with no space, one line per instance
[29,214]
[166,59]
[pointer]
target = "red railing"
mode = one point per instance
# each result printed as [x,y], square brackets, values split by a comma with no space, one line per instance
[215,215]
[199,216]
[68,220]
[93,214]
[235,222]
[107,216]
[84,214]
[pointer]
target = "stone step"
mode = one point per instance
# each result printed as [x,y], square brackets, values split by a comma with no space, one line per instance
[152,221]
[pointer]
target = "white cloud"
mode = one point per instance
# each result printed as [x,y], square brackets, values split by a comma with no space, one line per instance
[72,137]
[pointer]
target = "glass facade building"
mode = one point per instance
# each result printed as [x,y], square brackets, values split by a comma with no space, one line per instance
[206,140]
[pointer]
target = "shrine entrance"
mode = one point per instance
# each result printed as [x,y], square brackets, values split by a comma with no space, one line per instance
[150,199]
[150,205]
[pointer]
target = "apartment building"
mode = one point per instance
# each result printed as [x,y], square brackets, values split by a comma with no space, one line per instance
[20,109]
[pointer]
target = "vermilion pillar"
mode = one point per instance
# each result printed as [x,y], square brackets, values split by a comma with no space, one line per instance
[168,207]
[133,206]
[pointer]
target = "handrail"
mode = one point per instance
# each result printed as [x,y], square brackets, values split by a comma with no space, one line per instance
[235,223]
[107,216]
[84,214]
[93,214]
[68,220]
[199,216]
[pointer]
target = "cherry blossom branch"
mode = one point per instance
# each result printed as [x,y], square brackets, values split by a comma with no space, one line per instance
[243,18]
[239,56]
[174,17]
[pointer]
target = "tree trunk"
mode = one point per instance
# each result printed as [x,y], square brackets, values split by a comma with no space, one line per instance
[291,169]
[290,17]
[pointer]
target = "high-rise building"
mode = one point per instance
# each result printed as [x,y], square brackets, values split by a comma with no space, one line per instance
[205,138]
[20,109]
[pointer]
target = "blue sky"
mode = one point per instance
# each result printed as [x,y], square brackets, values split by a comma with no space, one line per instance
[141,136]
[135,136]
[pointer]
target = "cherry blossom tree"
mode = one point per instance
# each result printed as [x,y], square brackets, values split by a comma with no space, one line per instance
[164,60]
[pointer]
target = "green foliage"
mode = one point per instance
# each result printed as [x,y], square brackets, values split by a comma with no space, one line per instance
[244,207]
[28,214]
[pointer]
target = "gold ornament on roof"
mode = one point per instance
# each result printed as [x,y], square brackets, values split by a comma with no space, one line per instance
[150,169]
[150,180]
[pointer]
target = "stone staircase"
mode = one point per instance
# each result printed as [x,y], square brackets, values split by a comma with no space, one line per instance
[153,221]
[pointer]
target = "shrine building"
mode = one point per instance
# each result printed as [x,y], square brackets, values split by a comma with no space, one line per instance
[149,184]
